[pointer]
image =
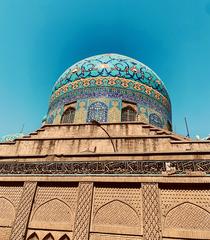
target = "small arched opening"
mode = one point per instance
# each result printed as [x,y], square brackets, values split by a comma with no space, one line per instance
[68,115]
[128,114]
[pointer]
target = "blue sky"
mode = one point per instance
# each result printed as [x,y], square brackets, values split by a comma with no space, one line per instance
[39,39]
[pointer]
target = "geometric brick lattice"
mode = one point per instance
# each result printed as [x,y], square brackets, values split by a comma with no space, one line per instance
[170,198]
[151,212]
[54,204]
[82,221]
[189,217]
[22,216]
[52,214]
[116,209]
[65,193]
[116,213]
[9,200]
[7,213]
[12,193]
[126,194]
[5,233]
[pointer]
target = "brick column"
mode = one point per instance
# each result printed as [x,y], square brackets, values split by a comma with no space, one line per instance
[151,212]
[22,216]
[83,214]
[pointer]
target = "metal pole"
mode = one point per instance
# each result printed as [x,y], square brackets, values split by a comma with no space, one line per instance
[98,124]
[188,134]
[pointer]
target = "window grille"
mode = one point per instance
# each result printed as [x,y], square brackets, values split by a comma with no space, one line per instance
[128,114]
[68,115]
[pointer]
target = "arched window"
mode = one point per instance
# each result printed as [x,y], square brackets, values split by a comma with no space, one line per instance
[97,111]
[48,237]
[154,119]
[33,236]
[128,114]
[68,115]
[64,237]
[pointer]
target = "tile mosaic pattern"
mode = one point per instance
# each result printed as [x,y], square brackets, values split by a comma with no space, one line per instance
[97,111]
[110,77]
[105,82]
[154,119]
[112,65]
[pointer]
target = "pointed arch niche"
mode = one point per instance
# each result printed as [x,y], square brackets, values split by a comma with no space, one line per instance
[53,214]
[115,216]
[187,220]
[7,212]
[64,237]
[33,236]
[48,237]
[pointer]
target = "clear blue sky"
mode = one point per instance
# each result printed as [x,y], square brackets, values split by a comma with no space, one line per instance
[39,39]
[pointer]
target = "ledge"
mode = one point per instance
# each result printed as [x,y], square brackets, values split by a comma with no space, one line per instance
[96,137]
[114,154]
[191,141]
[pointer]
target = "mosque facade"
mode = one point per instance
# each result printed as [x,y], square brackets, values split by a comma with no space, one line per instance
[105,164]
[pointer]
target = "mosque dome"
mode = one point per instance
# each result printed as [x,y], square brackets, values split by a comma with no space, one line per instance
[109,88]
[11,137]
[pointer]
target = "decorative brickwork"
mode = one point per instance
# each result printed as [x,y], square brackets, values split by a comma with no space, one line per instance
[9,199]
[53,213]
[22,216]
[41,234]
[33,237]
[130,196]
[54,207]
[189,217]
[186,209]
[5,233]
[64,237]
[48,237]
[7,212]
[170,198]
[151,212]
[116,213]
[82,221]
[12,193]
[67,194]
[117,207]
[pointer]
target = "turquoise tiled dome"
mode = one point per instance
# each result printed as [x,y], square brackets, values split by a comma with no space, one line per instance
[112,65]
[112,77]
[11,137]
